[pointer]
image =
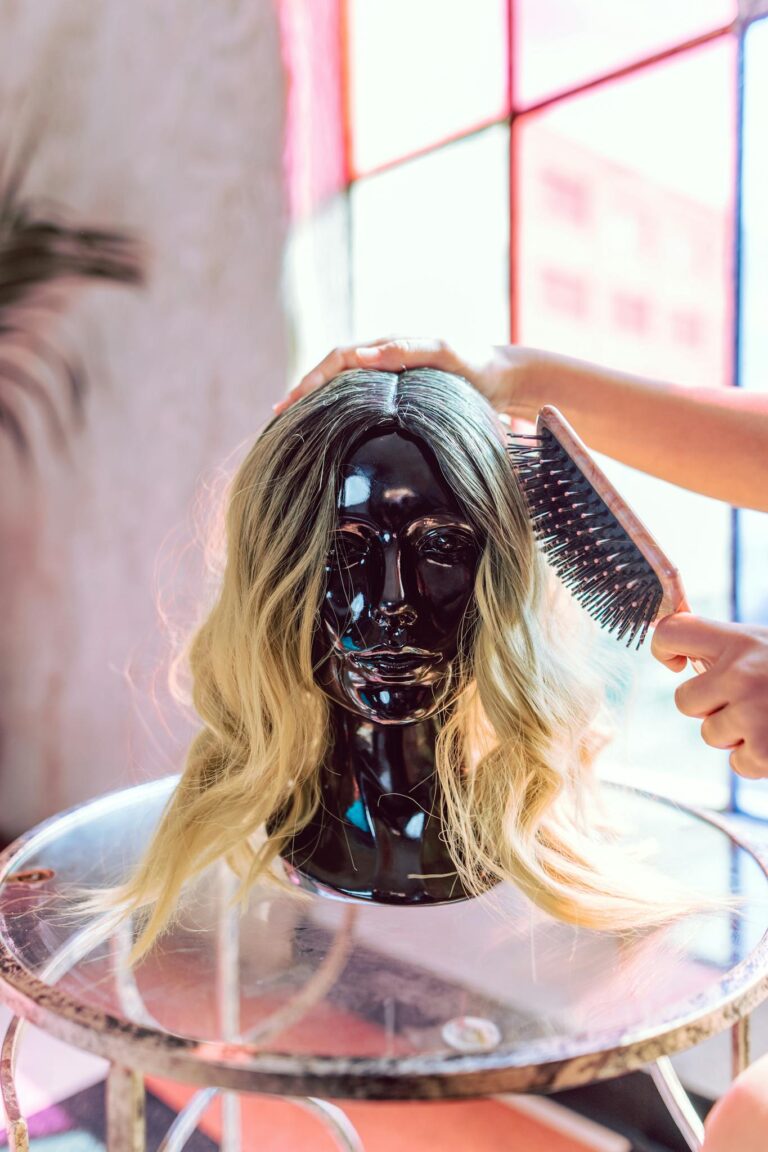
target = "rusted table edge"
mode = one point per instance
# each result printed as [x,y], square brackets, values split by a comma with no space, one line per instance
[243,1068]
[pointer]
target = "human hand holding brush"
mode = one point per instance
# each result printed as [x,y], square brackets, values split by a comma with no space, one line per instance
[731,696]
[612,565]
[670,432]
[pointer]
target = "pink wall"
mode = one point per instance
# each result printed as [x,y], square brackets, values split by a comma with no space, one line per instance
[166,119]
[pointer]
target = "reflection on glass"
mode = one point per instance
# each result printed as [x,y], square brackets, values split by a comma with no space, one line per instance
[752,796]
[561,43]
[419,73]
[317,978]
[430,244]
[624,258]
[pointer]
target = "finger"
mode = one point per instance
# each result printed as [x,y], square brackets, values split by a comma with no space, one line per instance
[674,663]
[410,352]
[720,730]
[683,634]
[388,353]
[379,341]
[703,694]
[746,765]
[331,365]
[664,653]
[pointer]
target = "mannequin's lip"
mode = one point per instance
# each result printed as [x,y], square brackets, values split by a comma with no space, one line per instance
[394,663]
[405,655]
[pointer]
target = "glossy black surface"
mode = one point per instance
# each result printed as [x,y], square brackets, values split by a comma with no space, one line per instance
[400,580]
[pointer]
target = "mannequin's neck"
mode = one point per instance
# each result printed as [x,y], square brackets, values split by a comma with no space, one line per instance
[377,833]
[397,759]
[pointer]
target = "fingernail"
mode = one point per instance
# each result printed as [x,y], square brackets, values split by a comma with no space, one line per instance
[368,353]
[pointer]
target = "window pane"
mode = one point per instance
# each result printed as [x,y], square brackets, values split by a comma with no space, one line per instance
[753,369]
[430,244]
[561,43]
[420,73]
[623,259]
[316,284]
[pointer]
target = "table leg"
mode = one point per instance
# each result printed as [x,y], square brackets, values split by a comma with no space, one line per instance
[126,1128]
[186,1120]
[228,994]
[740,1046]
[335,1121]
[18,1135]
[230,1123]
[678,1104]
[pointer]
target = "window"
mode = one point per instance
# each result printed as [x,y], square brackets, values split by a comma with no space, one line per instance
[565,198]
[564,293]
[751,559]
[561,173]
[631,313]
[564,44]
[631,231]
[687,328]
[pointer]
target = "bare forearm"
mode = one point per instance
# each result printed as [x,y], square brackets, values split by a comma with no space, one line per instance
[710,440]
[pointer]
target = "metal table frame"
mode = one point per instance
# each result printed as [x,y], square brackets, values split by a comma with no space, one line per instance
[139,1047]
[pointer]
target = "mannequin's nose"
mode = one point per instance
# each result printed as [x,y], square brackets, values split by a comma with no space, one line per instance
[396,615]
[394,609]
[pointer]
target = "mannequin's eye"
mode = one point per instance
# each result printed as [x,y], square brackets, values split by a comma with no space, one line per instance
[347,551]
[447,546]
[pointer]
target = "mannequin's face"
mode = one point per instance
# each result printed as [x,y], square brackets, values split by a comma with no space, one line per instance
[400,576]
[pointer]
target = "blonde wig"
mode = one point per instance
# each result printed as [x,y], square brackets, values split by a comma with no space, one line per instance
[516,740]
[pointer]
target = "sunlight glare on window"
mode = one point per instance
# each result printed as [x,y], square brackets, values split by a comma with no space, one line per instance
[431,244]
[421,72]
[561,43]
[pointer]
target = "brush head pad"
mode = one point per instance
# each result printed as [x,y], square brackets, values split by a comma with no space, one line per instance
[598,547]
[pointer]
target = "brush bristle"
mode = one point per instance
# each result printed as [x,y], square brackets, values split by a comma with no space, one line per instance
[583,541]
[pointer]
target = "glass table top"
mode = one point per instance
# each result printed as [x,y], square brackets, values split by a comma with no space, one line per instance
[309,995]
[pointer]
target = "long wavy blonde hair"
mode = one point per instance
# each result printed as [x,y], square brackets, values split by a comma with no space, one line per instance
[517,741]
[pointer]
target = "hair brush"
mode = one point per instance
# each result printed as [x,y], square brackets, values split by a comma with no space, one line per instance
[596,544]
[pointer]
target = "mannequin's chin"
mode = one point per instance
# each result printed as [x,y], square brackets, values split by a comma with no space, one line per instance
[390,703]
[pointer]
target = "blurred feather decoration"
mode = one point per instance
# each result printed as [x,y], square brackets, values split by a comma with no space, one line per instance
[40,245]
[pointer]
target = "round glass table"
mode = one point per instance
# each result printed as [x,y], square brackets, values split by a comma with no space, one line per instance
[310,997]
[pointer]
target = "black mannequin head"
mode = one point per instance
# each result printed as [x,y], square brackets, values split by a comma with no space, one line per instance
[332,550]
[400,578]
